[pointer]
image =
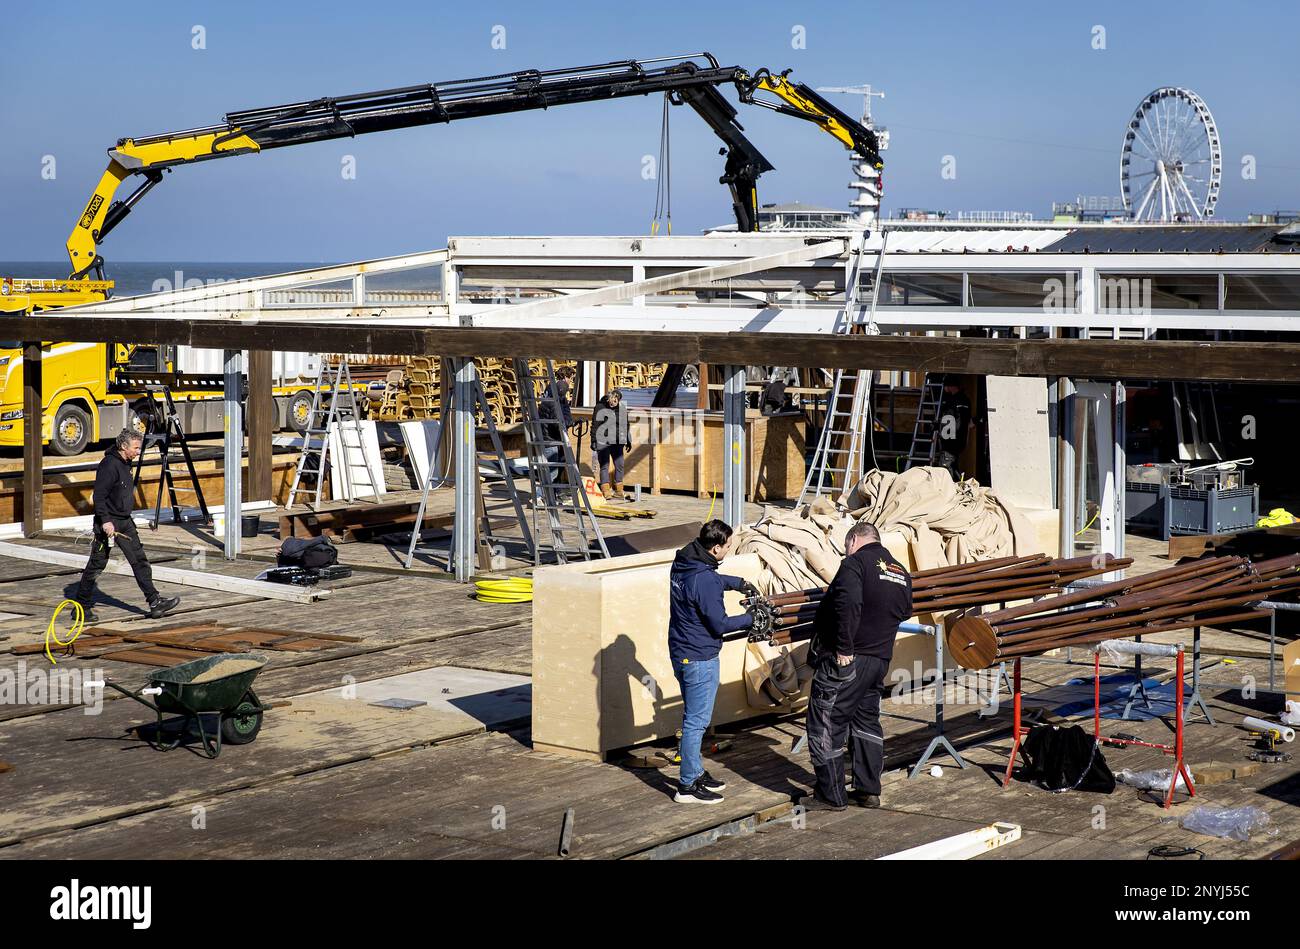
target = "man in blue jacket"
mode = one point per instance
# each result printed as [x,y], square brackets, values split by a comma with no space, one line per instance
[697,622]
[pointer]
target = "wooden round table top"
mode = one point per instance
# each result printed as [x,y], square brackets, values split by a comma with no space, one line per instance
[972,643]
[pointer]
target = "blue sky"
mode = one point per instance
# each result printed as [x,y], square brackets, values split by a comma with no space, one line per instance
[1015,92]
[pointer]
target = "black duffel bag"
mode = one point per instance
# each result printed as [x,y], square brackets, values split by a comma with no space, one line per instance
[307,552]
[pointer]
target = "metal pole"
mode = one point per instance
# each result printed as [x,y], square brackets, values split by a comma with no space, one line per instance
[234,449]
[33,421]
[1065,464]
[733,425]
[1120,432]
[465,528]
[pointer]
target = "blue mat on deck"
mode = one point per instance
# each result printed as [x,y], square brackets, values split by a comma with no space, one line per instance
[1074,698]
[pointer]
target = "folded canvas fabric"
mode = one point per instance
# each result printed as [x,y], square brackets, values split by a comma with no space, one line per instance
[945,522]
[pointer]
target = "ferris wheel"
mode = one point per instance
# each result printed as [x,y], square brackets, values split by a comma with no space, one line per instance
[1170,167]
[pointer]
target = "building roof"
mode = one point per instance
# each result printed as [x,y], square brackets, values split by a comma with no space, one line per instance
[798,207]
[1188,239]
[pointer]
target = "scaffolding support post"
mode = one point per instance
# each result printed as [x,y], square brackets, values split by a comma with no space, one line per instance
[733,424]
[465,529]
[233,444]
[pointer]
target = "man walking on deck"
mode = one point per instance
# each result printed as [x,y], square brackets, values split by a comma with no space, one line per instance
[114,501]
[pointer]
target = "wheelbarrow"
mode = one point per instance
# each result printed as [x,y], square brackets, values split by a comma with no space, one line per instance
[229,697]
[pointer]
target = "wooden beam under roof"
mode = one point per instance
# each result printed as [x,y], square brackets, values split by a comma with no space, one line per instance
[1084,359]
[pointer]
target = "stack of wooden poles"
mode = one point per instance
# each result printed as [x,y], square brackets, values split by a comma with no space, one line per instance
[1207,592]
[949,588]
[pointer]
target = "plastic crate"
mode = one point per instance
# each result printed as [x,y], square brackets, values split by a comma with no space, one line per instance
[1186,510]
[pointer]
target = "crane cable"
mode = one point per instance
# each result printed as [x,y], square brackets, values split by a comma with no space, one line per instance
[663,178]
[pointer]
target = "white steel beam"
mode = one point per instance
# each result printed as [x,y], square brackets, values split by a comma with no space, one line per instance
[664,284]
[251,285]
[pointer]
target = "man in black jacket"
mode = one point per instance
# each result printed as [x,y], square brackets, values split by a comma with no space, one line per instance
[114,500]
[853,643]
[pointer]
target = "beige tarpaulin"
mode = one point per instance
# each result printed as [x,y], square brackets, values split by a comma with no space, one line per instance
[944,523]
[777,676]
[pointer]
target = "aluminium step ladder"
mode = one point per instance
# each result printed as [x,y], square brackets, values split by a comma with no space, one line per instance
[356,473]
[925,441]
[171,435]
[494,462]
[840,455]
[553,471]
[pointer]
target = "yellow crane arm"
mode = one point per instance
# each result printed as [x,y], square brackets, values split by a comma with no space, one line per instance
[801,101]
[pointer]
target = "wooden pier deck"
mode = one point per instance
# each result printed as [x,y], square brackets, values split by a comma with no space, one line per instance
[327,780]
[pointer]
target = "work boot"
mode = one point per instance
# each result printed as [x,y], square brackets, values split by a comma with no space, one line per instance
[162,606]
[618,491]
[814,802]
[605,491]
[88,615]
[863,799]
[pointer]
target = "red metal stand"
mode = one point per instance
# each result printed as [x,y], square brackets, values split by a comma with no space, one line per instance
[1017,731]
[1176,749]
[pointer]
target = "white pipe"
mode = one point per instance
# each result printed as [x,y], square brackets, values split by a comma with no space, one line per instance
[1260,725]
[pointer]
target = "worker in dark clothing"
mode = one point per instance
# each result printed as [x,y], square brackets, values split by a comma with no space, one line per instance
[773,399]
[114,501]
[697,622]
[559,393]
[611,436]
[953,427]
[853,643]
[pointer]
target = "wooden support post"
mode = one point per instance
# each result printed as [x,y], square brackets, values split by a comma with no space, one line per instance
[33,422]
[446,376]
[261,425]
[702,398]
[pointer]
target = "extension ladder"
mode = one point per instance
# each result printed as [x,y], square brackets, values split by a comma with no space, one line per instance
[840,456]
[553,471]
[495,462]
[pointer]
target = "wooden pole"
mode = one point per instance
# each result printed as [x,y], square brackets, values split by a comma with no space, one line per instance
[33,422]
[261,425]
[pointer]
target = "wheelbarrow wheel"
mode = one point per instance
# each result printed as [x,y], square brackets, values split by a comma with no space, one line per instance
[241,724]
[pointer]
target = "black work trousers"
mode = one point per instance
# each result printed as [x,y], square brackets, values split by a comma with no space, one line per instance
[128,541]
[845,706]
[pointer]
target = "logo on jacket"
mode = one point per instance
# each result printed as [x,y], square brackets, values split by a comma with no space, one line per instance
[891,572]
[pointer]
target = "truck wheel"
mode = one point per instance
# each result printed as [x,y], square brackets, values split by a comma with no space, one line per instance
[144,417]
[71,432]
[299,414]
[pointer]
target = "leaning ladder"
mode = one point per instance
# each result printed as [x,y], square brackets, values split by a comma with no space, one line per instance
[924,432]
[564,503]
[343,411]
[840,457]
[495,461]
[171,435]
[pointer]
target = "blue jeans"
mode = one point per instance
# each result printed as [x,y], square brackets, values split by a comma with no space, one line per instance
[698,679]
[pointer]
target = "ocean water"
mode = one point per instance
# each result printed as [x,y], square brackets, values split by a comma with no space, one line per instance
[136,277]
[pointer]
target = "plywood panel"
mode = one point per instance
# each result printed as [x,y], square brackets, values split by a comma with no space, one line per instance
[1019,444]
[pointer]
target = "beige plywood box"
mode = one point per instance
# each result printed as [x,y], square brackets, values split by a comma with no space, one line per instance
[602,679]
